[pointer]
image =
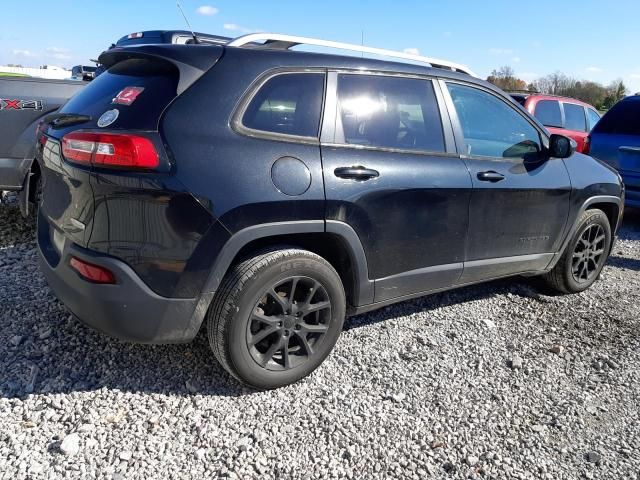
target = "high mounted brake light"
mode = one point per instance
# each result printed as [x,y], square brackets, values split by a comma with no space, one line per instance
[135,35]
[110,150]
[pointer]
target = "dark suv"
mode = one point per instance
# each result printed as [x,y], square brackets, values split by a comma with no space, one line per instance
[270,193]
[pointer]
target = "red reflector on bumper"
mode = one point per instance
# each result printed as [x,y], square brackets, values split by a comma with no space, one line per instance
[91,272]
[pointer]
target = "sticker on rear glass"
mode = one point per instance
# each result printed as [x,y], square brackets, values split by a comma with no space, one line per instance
[108,117]
[127,95]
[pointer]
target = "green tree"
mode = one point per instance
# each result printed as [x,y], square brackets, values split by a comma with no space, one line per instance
[615,92]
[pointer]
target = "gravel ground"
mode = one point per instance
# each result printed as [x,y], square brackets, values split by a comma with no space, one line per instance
[493,381]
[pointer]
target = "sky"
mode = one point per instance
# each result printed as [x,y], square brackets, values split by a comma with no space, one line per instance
[587,39]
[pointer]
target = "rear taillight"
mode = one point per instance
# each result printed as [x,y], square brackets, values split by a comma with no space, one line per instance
[91,272]
[587,145]
[110,150]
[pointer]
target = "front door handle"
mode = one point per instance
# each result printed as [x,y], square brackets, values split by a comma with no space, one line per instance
[490,176]
[356,173]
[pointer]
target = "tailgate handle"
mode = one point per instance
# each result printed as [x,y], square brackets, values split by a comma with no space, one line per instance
[630,149]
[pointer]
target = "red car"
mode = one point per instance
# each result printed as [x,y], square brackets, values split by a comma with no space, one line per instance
[562,115]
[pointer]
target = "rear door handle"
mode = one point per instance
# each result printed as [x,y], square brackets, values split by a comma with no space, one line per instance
[356,173]
[490,176]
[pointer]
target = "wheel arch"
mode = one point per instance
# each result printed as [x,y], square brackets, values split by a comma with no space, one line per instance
[611,205]
[335,241]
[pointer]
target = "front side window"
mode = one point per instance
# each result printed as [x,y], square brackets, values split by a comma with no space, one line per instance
[594,117]
[491,128]
[288,104]
[549,114]
[390,112]
[574,118]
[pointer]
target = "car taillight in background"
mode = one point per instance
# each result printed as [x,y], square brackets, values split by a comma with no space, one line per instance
[110,150]
[587,145]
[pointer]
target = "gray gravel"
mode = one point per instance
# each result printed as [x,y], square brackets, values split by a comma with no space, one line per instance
[494,381]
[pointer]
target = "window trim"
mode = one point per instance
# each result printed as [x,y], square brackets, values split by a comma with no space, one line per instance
[248,96]
[332,125]
[457,126]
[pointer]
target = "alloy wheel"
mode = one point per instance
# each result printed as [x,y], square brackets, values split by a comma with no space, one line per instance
[588,253]
[288,323]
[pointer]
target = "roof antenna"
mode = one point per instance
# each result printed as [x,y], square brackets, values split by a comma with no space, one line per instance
[195,39]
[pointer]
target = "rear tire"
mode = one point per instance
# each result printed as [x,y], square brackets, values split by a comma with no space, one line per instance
[276,317]
[584,256]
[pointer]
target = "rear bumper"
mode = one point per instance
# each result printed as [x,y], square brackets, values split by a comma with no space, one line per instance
[128,310]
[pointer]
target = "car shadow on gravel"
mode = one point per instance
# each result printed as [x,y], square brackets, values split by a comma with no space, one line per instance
[626,263]
[44,350]
[519,286]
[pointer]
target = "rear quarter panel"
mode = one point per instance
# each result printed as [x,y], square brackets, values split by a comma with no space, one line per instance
[230,172]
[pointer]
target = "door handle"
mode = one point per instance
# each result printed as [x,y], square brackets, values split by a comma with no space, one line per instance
[356,173]
[490,176]
[629,149]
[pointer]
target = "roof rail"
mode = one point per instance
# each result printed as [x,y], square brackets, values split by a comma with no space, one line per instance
[285,42]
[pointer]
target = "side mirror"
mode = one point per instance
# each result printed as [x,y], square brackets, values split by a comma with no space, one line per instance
[561,146]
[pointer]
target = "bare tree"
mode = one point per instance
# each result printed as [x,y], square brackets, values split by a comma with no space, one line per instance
[505,78]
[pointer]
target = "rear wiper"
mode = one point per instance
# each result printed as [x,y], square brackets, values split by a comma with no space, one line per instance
[59,120]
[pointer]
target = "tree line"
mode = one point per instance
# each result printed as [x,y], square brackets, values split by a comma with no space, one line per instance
[600,96]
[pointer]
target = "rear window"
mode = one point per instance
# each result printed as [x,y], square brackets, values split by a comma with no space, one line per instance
[158,79]
[288,104]
[574,118]
[622,119]
[549,114]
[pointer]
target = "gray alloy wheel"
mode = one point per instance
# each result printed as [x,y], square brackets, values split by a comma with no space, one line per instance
[276,317]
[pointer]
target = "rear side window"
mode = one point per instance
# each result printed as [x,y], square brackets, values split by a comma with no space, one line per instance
[622,119]
[492,128]
[594,118]
[287,104]
[389,112]
[549,114]
[574,118]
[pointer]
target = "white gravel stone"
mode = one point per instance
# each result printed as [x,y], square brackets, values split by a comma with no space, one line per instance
[70,445]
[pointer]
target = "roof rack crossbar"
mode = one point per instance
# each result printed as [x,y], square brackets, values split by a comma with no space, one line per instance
[277,40]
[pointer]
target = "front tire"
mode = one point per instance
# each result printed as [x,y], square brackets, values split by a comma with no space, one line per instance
[585,255]
[276,317]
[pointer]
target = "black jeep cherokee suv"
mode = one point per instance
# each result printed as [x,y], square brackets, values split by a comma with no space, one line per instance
[270,193]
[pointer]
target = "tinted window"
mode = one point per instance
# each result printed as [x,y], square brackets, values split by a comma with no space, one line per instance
[389,112]
[491,128]
[622,119]
[548,112]
[594,117]
[289,104]
[574,118]
[521,99]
